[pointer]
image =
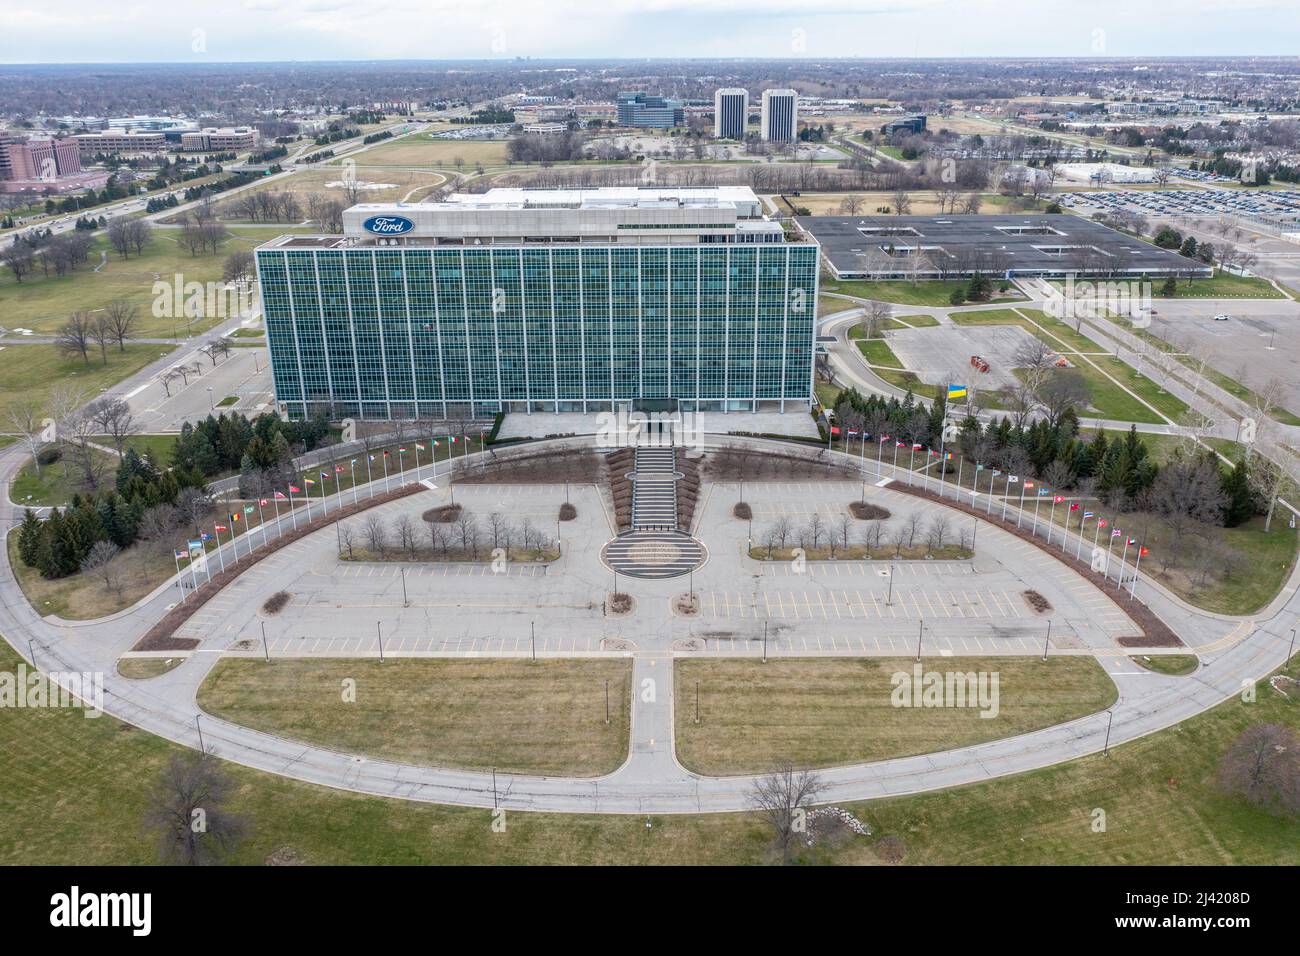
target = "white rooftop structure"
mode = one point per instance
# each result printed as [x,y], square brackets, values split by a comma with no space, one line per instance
[658,215]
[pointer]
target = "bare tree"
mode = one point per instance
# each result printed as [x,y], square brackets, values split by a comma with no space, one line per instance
[75,335]
[406,535]
[187,810]
[376,535]
[113,417]
[214,348]
[26,416]
[348,538]
[119,321]
[783,798]
[102,561]
[940,525]
[1263,767]
[1061,391]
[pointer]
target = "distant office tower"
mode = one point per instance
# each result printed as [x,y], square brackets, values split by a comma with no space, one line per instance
[642,109]
[779,120]
[730,113]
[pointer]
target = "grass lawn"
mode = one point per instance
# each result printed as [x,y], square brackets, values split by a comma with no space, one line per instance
[159,446]
[545,717]
[1177,665]
[143,668]
[878,352]
[909,381]
[74,791]
[1171,405]
[58,482]
[83,597]
[829,712]
[44,303]
[921,321]
[1223,285]
[931,292]
[34,371]
[422,149]
[827,393]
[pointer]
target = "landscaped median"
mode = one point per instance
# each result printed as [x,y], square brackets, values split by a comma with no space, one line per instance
[830,712]
[509,714]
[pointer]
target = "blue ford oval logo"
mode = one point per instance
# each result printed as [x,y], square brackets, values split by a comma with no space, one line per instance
[388,225]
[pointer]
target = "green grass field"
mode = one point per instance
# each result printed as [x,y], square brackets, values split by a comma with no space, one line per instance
[932,292]
[543,717]
[44,304]
[34,371]
[830,712]
[878,352]
[74,792]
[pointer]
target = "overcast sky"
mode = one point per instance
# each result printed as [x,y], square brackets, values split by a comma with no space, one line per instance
[69,31]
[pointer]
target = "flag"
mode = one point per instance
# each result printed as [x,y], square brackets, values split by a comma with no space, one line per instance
[205,536]
[454,439]
[402,451]
[249,509]
[371,457]
[1012,479]
[1087,514]
[221,527]
[1143,552]
[436,443]
[1028,484]
[293,488]
[1116,533]
[1043,491]
[852,431]
[1130,542]
[996,472]
[1101,523]
[956,391]
[181,554]
[1057,499]
[1074,506]
[884,438]
[899,444]
[978,466]
[234,517]
[420,447]
[338,469]
[280,497]
[310,481]
[263,501]
[354,462]
[948,457]
[916,446]
[385,454]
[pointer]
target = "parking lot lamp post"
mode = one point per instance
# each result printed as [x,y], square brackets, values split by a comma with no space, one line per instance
[1047,639]
[1110,719]
[379,633]
[1290,649]
[920,630]
[199,728]
[890,598]
[266,650]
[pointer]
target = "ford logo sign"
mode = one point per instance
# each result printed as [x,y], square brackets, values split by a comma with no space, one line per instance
[388,225]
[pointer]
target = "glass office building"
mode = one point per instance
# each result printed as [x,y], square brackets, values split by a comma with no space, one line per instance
[455,309]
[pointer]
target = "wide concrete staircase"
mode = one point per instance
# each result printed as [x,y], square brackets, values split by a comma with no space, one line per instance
[654,490]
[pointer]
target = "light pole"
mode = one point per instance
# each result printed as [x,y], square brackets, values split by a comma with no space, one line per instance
[266,650]
[920,629]
[1047,639]
[211,401]
[1110,719]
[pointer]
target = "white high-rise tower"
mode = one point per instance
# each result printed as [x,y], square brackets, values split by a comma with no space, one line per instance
[730,113]
[779,117]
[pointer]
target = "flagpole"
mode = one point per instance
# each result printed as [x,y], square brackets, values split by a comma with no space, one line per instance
[194,575]
[1004,496]
[353,466]
[1020,510]
[482,454]
[369,459]
[293,512]
[1096,534]
[261,521]
[1038,501]
[324,502]
[1123,559]
[989,508]
[385,472]
[1078,544]
[1051,520]
[178,575]
[961,463]
[220,557]
[401,467]
[1136,565]
[894,466]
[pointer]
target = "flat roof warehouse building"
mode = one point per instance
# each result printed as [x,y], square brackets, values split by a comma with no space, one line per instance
[951,247]
[520,300]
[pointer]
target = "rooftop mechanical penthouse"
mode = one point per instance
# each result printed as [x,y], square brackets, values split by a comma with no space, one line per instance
[543,300]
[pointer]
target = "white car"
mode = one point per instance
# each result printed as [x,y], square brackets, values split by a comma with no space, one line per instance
[1222,318]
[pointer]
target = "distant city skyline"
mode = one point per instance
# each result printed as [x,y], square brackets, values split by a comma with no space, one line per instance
[81,31]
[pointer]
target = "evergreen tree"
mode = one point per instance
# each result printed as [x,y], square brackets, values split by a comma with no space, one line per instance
[1241,498]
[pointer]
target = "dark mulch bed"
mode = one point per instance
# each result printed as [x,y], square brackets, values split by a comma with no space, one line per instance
[1155,632]
[1037,601]
[868,512]
[443,514]
[568,512]
[276,602]
[160,636]
[743,511]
